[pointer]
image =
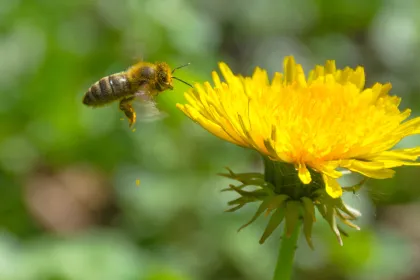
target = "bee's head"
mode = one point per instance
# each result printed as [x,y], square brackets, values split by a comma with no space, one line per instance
[164,76]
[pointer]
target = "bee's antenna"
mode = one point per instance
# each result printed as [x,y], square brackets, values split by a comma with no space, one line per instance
[182,81]
[180,67]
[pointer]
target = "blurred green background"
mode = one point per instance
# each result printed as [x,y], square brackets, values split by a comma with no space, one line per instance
[70,208]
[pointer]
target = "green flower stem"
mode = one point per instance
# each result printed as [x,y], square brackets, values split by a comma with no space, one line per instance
[286,256]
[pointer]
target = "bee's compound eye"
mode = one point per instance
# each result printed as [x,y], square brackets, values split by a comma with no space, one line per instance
[163,77]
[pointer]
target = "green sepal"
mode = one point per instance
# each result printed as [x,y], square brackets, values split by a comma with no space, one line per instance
[280,191]
[346,221]
[319,194]
[355,187]
[237,207]
[251,179]
[275,220]
[243,200]
[259,194]
[342,231]
[234,175]
[321,210]
[269,188]
[263,206]
[247,181]
[230,189]
[353,213]
[292,216]
[277,201]
[240,201]
[327,213]
[308,219]
[330,216]
[309,207]
[307,228]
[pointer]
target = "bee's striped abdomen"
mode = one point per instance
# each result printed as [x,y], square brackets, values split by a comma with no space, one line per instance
[107,89]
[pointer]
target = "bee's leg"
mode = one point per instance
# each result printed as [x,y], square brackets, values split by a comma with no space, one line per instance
[125,106]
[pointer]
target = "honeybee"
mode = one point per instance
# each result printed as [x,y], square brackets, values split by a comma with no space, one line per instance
[143,81]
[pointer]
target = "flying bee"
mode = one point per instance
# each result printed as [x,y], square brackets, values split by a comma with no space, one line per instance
[143,81]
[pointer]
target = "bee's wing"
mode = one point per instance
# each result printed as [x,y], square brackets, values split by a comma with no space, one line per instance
[136,50]
[146,107]
[148,112]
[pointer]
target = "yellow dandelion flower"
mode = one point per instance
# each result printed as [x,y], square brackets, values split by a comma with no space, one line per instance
[322,122]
